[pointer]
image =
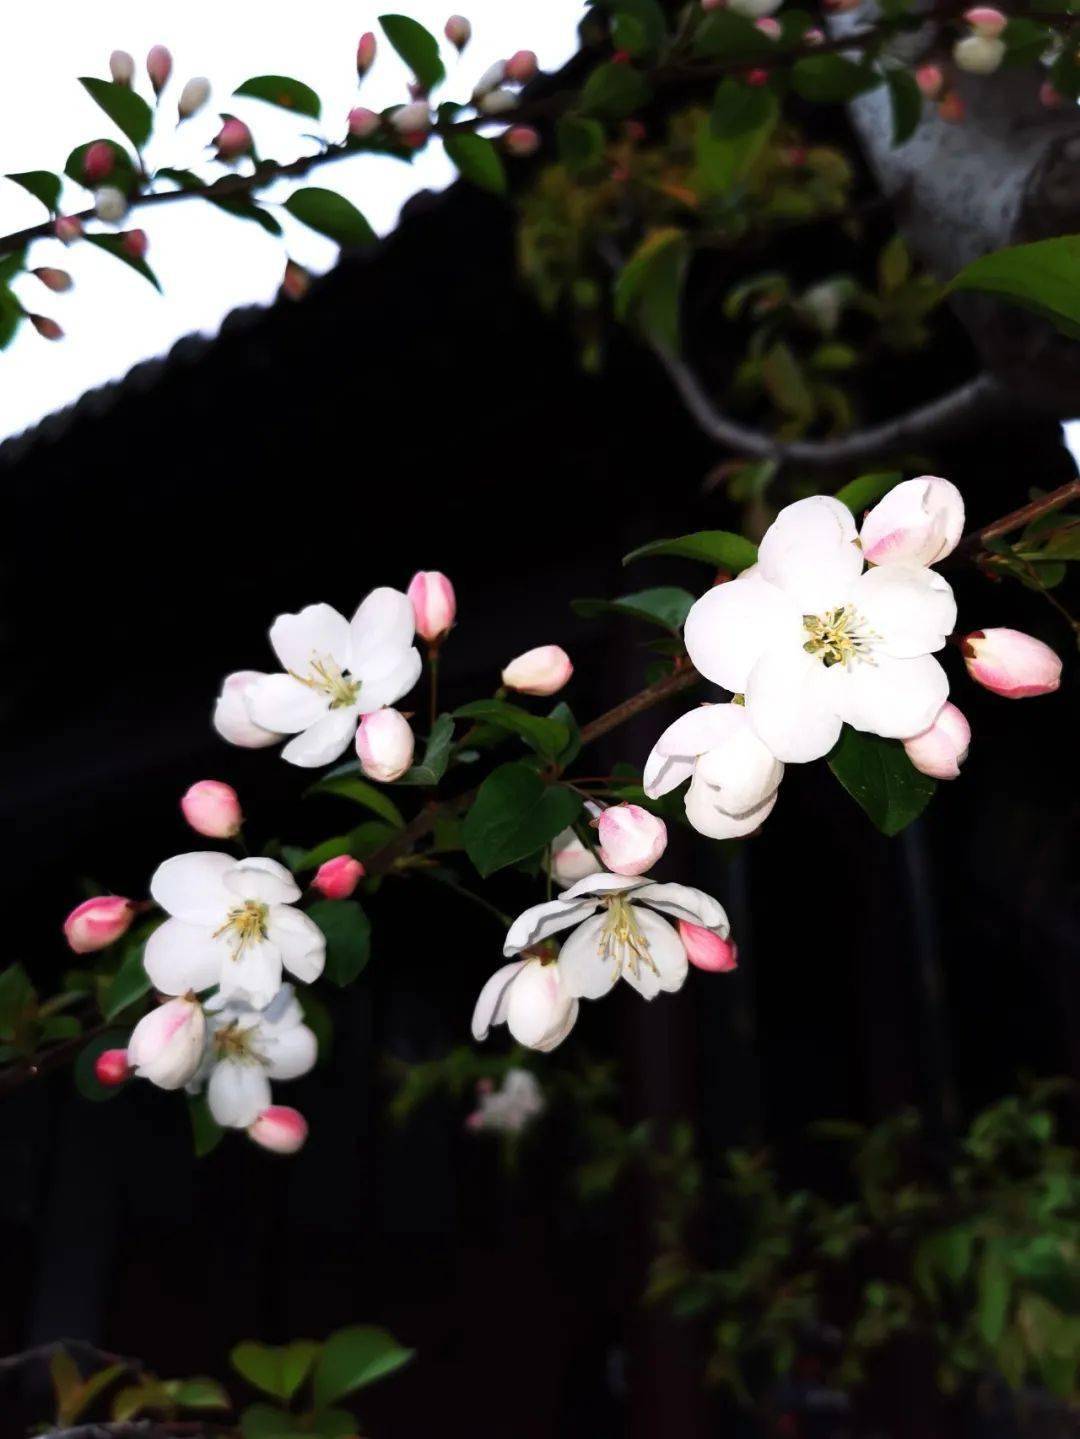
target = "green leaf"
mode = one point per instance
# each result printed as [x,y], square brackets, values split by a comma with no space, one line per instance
[360,791]
[416,46]
[17,999]
[639,26]
[353,1358]
[278,1370]
[547,736]
[515,814]
[905,103]
[580,142]
[648,291]
[244,208]
[859,494]
[565,716]
[719,548]
[665,606]
[331,215]
[742,119]
[828,79]
[42,184]
[348,938]
[264,1421]
[725,35]
[125,108]
[283,91]
[130,984]
[432,767]
[994,1286]
[879,776]
[206,1133]
[198,1393]
[1043,276]
[614,91]
[114,245]
[86,1081]
[477,160]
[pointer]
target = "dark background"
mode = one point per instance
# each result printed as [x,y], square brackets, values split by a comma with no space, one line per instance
[416,411]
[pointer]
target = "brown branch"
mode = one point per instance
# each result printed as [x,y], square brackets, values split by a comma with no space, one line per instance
[681,679]
[1016,519]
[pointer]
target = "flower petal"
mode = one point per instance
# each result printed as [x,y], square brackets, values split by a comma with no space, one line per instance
[730,627]
[252,973]
[919,521]
[237,1093]
[911,609]
[586,973]
[385,619]
[603,883]
[742,769]
[536,1004]
[181,957]
[672,758]
[669,966]
[284,704]
[289,1052]
[792,701]
[896,698]
[316,633]
[810,552]
[683,901]
[263,880]
[556,1036]
[191,886]
[324,741]
[301,941]
[535,924]
[708,818]
[491,1004]
[384,689]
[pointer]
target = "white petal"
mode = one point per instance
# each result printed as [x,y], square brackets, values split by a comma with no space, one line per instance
[491,1004]
[683,901]
[385,619]
[237,1093]
[810,552]
[262,879]
[536,1004]
[181,956]
[283,704]
[672,758]
[325,741]
[385,689]
[731,626]
[910,609]
[541,920]
[743,771]
[284,1011]
[705,814]
[301,941]
[557,1035]
[894,698]
[316,633]
[663,773]
[792,701]
[290,1053]
[253,973]
[586,973]
[191,887]
[603,883]
[669,963]
[919,521]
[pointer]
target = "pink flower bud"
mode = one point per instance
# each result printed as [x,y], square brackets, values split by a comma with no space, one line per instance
[296,281]
[918,522]
[213,808]
[98,162]
[384,744]
[985,20]
[571,860]
[121,67]
[111,1067]
[280,1129]
[768,26]
[68,229]
[337,878]
[1050,98]
[814,36]
[521,141]
[232,718]
[1011,663]
[978,54]
[98,922]
[434,604]
[631,839]
[365,53]
[233,139]
[951,108]
[943,748]
[412,120]
[521,67]
[706,950]
[47,328]
[930,80]
[56,280]
[110,204]
[166,1046]
[493,76]
[363,122]
[757,77]
[159,67]
[458,31]
[135,243]
[193,96]
[541,671]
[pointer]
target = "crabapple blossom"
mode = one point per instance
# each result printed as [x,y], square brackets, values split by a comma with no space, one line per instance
[733,777]
[98,162]
[46,327]
[233,139]
[631,839]
[951,108]
[67,229]
[98,922]
[509,1109]
[434,604]
[193,97]
[458,31]
[541,671]
[279,1129]
[56,280]
[337,878]
[384,745]
[363,122]
[943,748]
[246,1048]
[985,20]
[918,522]
[166,1046]
[979,54]
[521,67]
[570,859]
[159,67]
[813,642]
[930,80]
[492,77]
[414,119]
[336,670]
[708,951]
[530,998]
[110,204]
[521,141]
[629,938]
[121,67]
[365,53]
[768,26]
[212,808]
[497,102]
[232,719]
[1011,663]
[135,243]
[231,924]
[296,281]
[111,1068]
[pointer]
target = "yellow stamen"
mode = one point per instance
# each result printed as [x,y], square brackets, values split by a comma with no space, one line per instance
[248,923]
[838,637]
[622,939]
[327,679]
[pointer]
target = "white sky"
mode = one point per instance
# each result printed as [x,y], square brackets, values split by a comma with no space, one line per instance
[207,262]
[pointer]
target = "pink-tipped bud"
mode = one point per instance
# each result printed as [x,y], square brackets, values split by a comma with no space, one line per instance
[951,108]
[111,1068]
[56,280]
[280,1129]
[930,80]
[814,36]
[631,839]
[296,281]
[918,522]
[522,67]
[337,878]
[541,671]
[135,243]
[363,122]
[458,31]
[110,204]
[68,229]
[757,77]
[46,327]
[521,141]
[98,162]
[1011,663]
[365,53]
[166,1046]
[384,745]
[571,860]
[985,20]
[706,950]
[212,807]
[193,96]
[492,77]
[159,67]
[1050,98]
[121,67]
[434,604]
[98,922]
[768,26]
[233,139]
[412,120]
[978,54]
[943,748]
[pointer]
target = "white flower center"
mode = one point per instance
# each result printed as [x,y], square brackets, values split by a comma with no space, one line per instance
[232,1042]
[621,938]
[839,637]
[246,925]
[327,678]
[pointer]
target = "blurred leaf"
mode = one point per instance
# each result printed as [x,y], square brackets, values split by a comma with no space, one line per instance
[786,383]
[416,46]
[894,265]
[1043,276]
[197,1393]
[648,290]
[278,1370]
[514,815]
[114,245]
[547,736]
[580,142]
[348,938]
[244,208]
[906,104]
[994,1286]
[725,34]
[638,26]
[125,108]
[17,999]
[360,791]
[742,119]
[614,91]
[130,984]
[206,1133]
[331,215]
[333,1424]
[353,1358]
[42,184]
[432,767]
[720,548]
[283,91]
[881,779]
[478,160]
[563,714]
[859,494]
[827,79]
[264,1421]
[665,606]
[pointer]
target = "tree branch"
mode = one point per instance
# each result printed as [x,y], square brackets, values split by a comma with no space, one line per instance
[681,679]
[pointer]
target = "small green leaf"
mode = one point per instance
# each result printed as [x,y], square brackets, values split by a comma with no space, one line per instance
[477,160]
[648,291]
[859,494]
[278,1370]
[130,984]
[244,208]
[348,938]
[994,1286]
[432,767]
[828,79]
[638,26]
[42,184]
[198,1393]
[348,785]
[719,548]
[353,1358]
[122,175]
[125,108]
[206,1133]
[547,736]
[580,142]
[665,606]
[264,1421]
[283,91]
[331,215]
[86,1081]
[742,119]
[114,245]
[416,46]
[906,104]
[614,91]
[17,999]
[515,814]
[724,35]
[1043,276]
[879,776]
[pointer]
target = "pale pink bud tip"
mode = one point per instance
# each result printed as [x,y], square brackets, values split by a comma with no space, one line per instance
[233,139]
[979,54]
[47,328]
[814,36]
[930,80]
[280,1129]
[363,122]
[434,604]
[521,141]
[986,20]
[68,229]
[631,839]
[159,67]
[98,922]
[541,671]
[337,878]
[167,1045]
[365,53]
[384,745]
[458,31]
[1050,98]
[943,748]
[918,522]
[56,280]
[111,1067]
[521,67]
[213,808]
[570,859]
[98,162]
[768,26]
[193,96]
[135,243]
[1011,663]
[121,67]
[296,281]
[706,950]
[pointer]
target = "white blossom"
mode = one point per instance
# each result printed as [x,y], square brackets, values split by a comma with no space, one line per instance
[509,1109]
[733,777]
[247,1048]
